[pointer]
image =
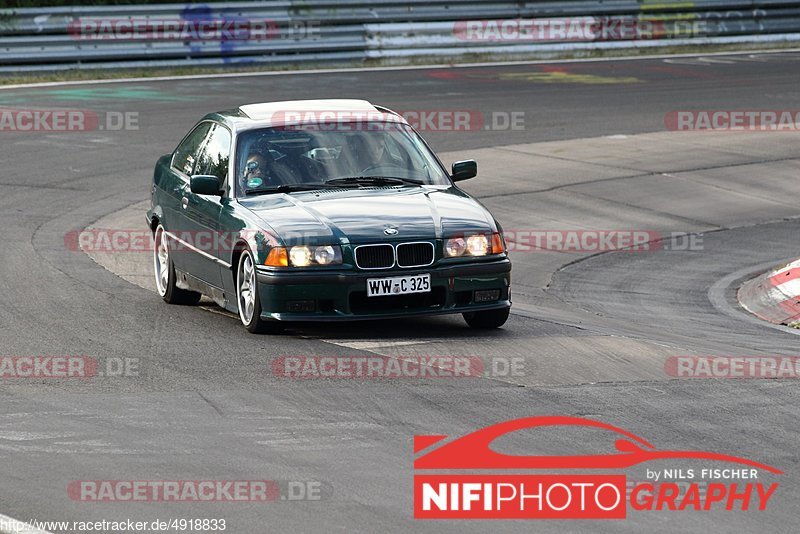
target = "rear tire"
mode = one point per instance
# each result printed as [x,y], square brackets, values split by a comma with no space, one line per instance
[248,299]
[485,320]
[164,271]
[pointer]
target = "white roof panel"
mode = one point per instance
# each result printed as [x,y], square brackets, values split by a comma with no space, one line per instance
[268,110]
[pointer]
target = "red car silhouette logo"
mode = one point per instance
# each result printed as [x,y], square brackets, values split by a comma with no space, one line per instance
[474,451]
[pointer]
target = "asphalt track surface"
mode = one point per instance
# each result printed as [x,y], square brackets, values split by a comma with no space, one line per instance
[594,331]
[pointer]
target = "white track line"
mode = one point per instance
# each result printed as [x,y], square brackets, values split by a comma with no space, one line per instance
[397,68]
[18,527]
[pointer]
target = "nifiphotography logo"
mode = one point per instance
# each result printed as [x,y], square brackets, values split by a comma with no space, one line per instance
[492,490]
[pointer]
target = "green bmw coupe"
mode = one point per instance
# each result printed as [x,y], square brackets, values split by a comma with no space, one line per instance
[322,210]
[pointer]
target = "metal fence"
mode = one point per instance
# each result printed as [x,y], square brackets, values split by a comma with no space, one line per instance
[324,31]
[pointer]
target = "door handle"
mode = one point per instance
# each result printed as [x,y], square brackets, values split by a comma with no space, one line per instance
[185,202]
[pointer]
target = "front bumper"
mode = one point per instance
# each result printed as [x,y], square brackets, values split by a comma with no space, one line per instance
[341,295]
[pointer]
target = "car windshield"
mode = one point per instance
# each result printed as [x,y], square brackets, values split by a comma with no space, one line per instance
[351,155]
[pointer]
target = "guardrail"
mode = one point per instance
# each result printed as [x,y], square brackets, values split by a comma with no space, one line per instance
[323,31]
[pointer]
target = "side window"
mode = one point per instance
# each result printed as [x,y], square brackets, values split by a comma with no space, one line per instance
[215,155]
[186,155]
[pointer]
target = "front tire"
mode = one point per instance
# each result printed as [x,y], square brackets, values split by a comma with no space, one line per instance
[164,271]
[486,320]
[249,300]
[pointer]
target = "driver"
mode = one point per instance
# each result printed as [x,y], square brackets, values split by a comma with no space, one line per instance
[262,170]
[256,172]
[368,152]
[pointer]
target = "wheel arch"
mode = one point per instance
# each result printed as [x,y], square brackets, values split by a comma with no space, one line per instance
[238,249]
[154,218]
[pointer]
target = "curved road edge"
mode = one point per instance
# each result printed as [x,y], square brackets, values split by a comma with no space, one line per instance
[774,296]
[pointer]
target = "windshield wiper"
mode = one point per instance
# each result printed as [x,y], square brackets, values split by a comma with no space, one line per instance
[286,188]
[373,180]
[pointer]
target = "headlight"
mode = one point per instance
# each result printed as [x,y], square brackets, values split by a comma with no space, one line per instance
[325,255]
[304,256]
[455,247]
[474,245]
[477,245]
[300,256]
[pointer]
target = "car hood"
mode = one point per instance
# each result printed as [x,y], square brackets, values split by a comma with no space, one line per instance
[363,215]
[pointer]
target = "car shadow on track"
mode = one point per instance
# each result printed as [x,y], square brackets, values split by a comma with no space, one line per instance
[416,328]
[412,328]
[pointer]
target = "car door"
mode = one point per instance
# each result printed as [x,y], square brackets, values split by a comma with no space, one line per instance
[182,167]
[202,211]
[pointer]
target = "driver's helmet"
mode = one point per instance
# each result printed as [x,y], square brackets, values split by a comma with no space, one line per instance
[255,172]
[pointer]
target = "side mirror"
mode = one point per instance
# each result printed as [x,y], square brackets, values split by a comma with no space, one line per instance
[464,170]
[205,185]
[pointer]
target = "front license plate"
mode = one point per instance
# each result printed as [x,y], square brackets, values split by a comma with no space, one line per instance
[398,285]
